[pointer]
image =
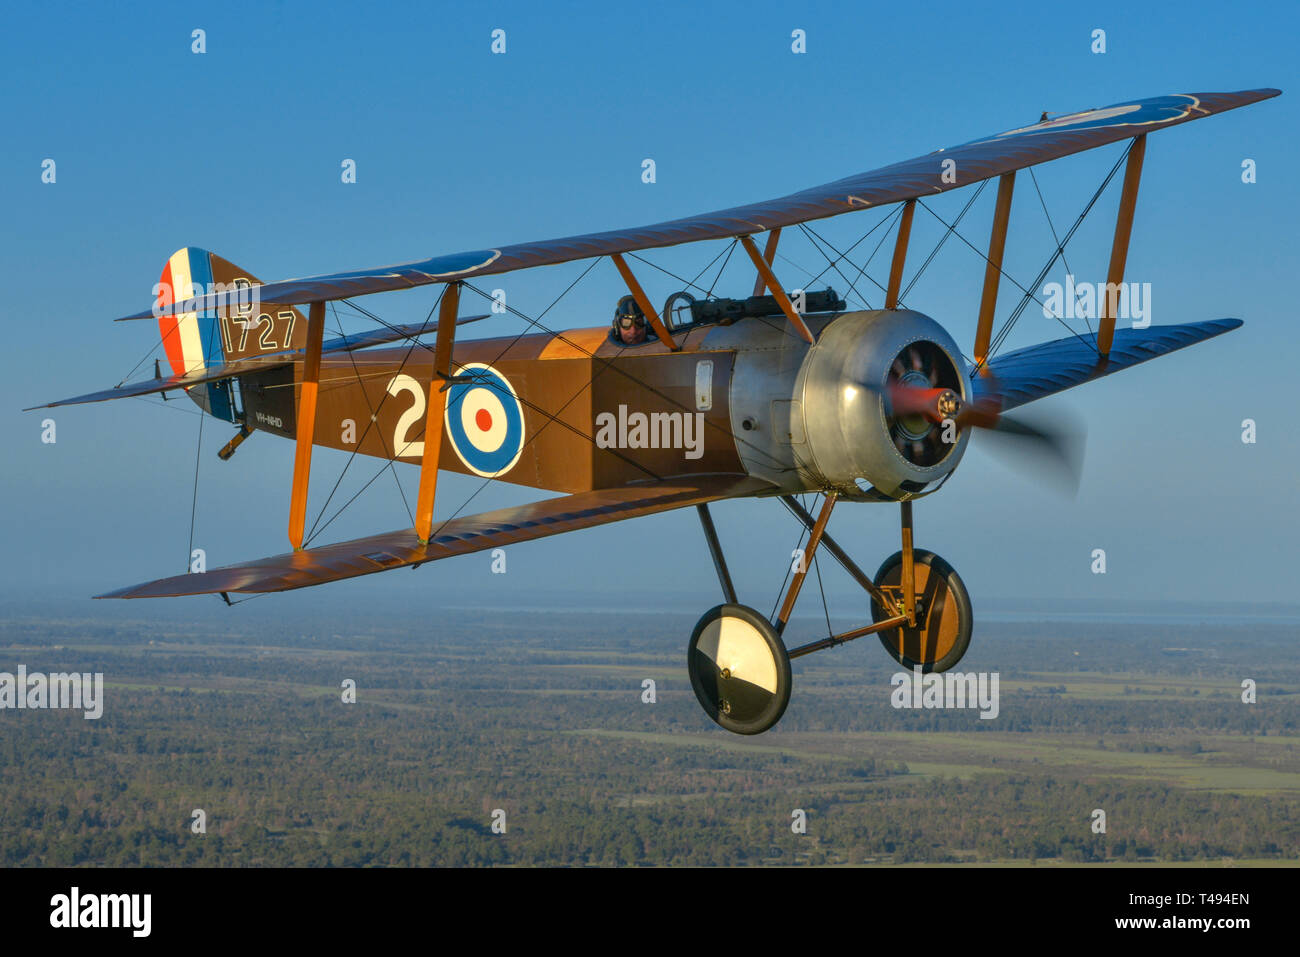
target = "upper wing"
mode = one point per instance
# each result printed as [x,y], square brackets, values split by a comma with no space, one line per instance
[459,536]
[974,161]
[229,370]
[1050,367]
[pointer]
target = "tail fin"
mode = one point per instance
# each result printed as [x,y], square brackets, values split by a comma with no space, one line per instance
[195,342]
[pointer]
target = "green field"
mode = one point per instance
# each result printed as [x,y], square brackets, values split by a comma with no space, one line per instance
[551,729]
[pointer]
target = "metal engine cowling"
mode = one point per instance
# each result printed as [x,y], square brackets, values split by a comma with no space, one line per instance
[857,444]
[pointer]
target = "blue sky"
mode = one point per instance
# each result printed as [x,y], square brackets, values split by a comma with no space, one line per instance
[238,150]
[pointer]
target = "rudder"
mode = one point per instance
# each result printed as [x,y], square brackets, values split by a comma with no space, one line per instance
[195,342]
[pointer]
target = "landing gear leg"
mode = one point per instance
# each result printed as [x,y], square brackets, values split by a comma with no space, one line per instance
[934,600]
[715,549]
[909,569]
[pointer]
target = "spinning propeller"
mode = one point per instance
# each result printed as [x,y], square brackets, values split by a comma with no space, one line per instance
[920,399]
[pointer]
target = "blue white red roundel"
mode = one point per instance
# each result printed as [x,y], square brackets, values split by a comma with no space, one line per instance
[485,421]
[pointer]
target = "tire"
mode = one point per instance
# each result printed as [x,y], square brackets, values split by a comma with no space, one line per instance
[739,669]
[944,620]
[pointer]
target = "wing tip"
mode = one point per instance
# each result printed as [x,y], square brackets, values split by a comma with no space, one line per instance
[1226,324]
[173,587]
[117,593]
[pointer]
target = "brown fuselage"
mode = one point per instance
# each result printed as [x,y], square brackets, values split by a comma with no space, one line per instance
[373,402]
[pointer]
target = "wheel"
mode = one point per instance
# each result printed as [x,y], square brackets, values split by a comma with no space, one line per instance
[739,669]
[943,613]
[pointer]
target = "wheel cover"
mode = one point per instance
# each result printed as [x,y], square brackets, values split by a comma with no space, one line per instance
[943,625]
[739,669]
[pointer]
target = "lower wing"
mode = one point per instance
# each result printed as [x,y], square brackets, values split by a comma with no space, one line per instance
[459,536]
[1050,367]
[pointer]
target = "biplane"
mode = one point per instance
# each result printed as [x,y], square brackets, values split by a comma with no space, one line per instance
[772,395]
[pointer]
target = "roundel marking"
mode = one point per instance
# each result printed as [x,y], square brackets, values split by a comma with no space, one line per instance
[485,421]
[1155,111]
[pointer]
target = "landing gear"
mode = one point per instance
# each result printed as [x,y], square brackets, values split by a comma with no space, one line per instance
[942,631]
[739,666]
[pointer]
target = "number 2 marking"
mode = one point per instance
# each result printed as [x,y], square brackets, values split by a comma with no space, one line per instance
[402,446]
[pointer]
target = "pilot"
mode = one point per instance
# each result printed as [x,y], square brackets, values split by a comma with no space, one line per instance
[629,322]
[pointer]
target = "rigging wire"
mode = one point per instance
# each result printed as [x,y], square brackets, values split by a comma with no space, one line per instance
[164,404]
[1060,250]
[316,531]
[374,414]
[943,239]
[373,419]
[834,263]
[691,283]
[551,417]
[147,356]
[862,271]
[884,221]
[721,269]
[194,502]
[1042,202]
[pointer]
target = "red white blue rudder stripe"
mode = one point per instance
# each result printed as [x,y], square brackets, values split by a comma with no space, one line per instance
[192,340]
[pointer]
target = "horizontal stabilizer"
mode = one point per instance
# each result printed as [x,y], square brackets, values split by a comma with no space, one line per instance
[1050,367]
[253,364]
[459,536]
[173,382]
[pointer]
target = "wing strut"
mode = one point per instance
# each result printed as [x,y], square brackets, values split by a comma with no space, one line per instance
[769,253]
[900,254]
[639,295]
[438,383]
[993,269]
[774,287]
[306,424]
[1119,247]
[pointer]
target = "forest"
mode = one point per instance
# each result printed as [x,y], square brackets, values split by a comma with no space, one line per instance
[505,738]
